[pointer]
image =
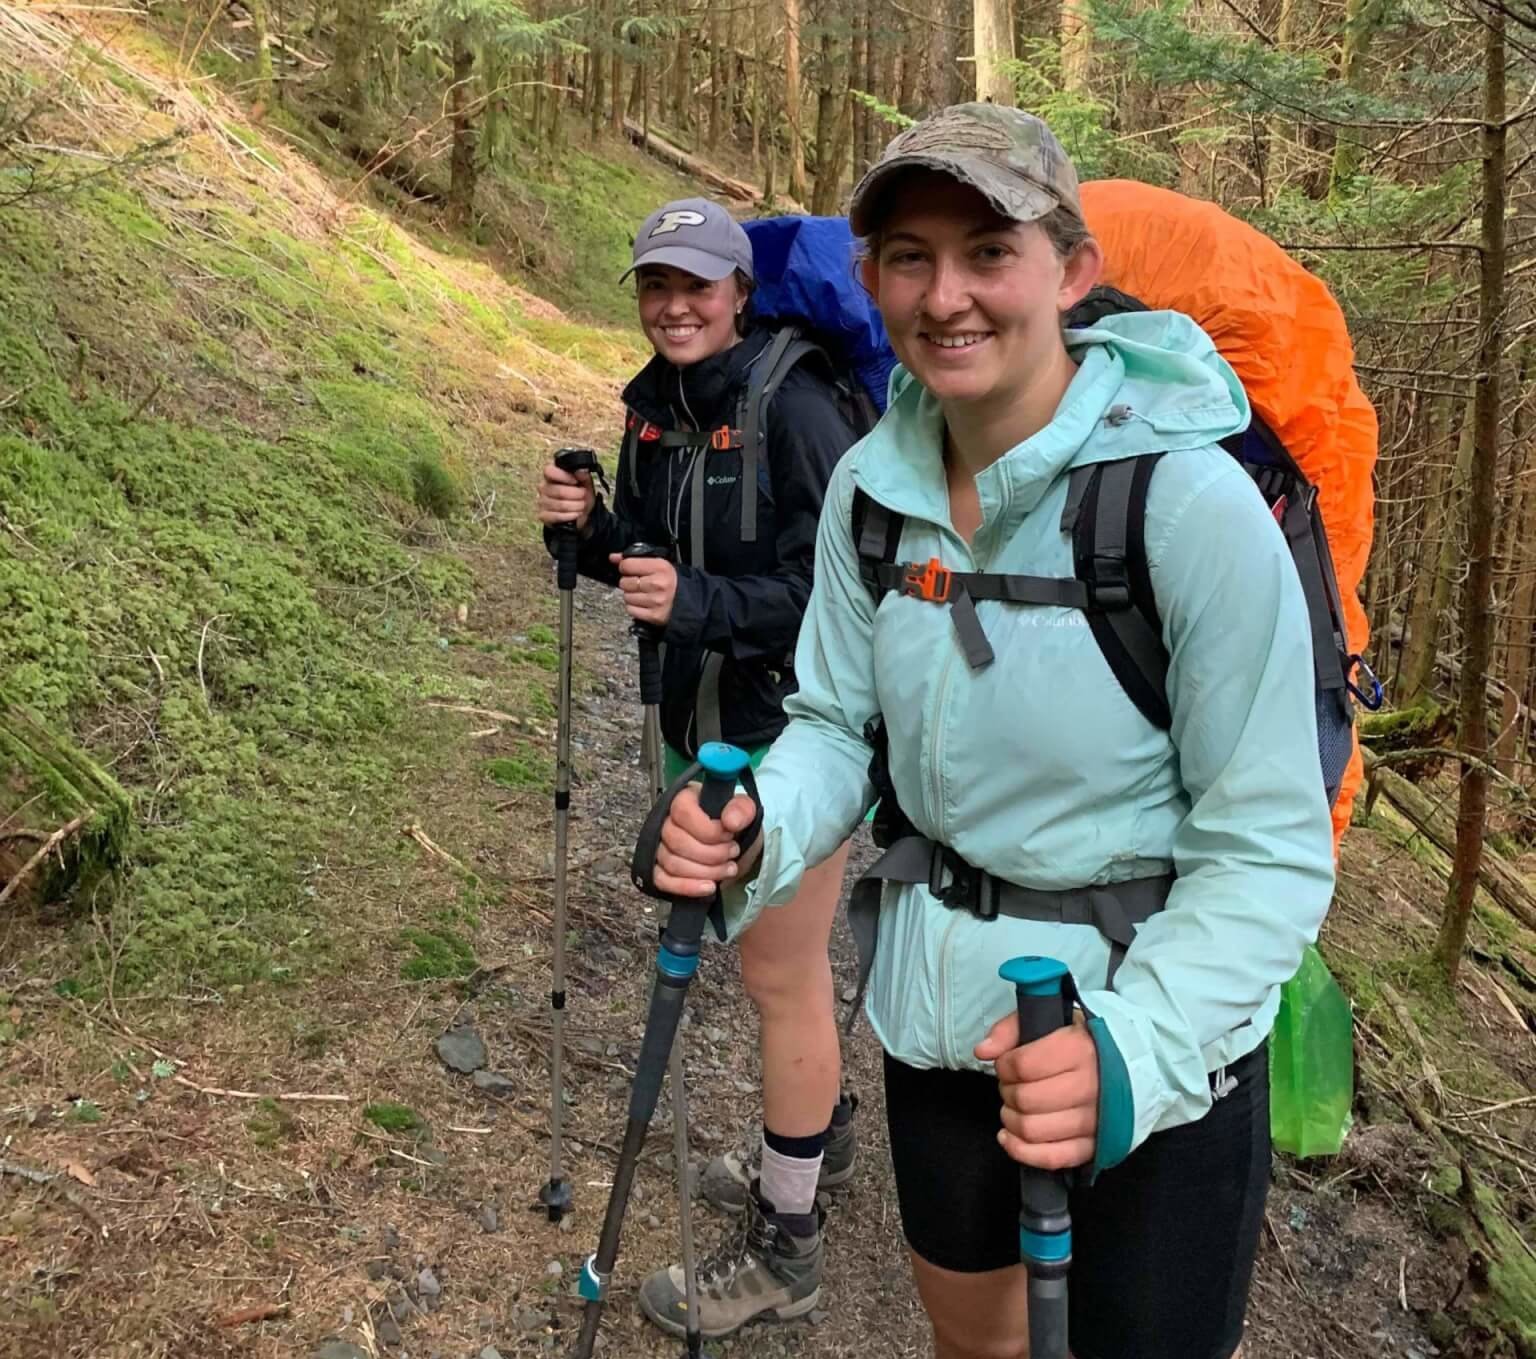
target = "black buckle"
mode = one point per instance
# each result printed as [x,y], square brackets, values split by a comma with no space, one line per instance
[1109,587]
[966,889]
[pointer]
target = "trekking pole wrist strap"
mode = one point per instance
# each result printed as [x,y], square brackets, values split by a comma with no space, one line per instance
[643,865]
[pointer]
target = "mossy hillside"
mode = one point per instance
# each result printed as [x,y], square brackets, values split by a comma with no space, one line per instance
[574,222]
[238,419]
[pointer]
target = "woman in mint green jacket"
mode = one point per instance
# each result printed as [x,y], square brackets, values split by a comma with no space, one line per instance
[1038,771]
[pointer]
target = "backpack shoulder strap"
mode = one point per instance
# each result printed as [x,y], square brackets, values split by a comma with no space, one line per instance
[784,351]
[877,539]
[1108,503]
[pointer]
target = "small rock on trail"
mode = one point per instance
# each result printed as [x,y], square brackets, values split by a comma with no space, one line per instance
[462,1050]
[494,1083]
[339,1349]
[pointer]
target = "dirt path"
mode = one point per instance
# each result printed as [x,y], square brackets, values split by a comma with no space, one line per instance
[394,1218]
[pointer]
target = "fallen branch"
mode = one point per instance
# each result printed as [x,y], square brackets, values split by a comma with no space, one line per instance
[475,712]
[1406,1022]
[28,1172]
[262,1311]
[286,1098]
[415,832]
[1503,882]
[48,846]
[691,165]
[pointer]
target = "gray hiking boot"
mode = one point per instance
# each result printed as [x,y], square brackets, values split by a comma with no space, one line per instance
[768,1269]
[727,1179]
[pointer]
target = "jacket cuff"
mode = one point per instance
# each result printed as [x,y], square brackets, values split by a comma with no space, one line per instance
[685,626]
[1117,1106]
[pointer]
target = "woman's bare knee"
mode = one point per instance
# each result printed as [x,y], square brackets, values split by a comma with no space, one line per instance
[784,964]
[975,1316]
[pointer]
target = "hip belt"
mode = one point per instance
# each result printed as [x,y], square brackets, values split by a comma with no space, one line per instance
[1114,909]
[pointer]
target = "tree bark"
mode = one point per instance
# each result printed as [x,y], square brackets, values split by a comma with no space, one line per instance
[826,117]
[792,99]
[861,64]
[1515,724]
[261,35]
[1362,19]
[1432,591]
[716,74]
[597,66]
[1076,47]
[757,92]
[461,164]
[1477,590]
[992,29]
[349,68]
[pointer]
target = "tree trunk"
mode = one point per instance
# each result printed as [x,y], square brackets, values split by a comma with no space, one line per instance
[826,118]
[616,80]
[1362,18]
[602,24]
[1432,595]
[1514,727]
[1076,47]
[792,99]
[992,28]
[914,50]
[682,80]
[261,35]
[349,69]
[716,74]
[860,63]
[1477,590]
[757,92]
[461,165]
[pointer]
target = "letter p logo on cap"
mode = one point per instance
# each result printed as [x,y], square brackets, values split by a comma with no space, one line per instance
[676,220]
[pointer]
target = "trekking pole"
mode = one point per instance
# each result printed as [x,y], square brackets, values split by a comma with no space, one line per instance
[555,1196]
[1045,1219]
[676,961]
[649,641]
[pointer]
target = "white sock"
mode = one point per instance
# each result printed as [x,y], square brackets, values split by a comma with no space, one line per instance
[789,1182]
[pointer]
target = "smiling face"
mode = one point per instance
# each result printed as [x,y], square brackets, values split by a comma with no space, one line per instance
[687,318]
[972,302]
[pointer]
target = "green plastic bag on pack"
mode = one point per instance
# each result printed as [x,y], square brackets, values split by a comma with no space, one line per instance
[1311,1063]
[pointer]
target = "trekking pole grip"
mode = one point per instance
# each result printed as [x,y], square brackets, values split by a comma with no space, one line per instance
[648,637]
[567,540]
[1042,990]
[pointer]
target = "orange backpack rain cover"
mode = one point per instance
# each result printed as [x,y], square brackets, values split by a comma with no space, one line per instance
[1280,329]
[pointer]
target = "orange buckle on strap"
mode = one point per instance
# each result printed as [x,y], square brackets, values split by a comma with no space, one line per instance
[723,438]
[930,582]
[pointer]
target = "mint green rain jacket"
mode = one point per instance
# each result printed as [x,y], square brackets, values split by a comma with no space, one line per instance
[1039,769]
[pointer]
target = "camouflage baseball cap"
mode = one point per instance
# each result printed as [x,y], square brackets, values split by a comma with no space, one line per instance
[1009,155]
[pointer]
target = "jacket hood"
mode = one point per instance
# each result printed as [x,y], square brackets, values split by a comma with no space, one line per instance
[1147,382]
[700,395]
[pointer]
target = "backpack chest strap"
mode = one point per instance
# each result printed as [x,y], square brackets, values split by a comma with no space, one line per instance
[937,584]
[1116,910]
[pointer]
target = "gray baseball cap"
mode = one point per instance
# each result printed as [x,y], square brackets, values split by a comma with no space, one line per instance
[1008,155]
[695,235]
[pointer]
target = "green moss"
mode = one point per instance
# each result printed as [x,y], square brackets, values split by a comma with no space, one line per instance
[271,1124]
[519,771]
[433,488]
[393,1118]
[438,953]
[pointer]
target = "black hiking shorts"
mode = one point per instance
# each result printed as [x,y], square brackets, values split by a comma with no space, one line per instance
[1162,1245]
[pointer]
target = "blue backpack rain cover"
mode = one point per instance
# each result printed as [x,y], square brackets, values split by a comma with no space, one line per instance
[807,275]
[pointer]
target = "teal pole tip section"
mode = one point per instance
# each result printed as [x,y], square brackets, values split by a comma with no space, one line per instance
[723,761]
[1034,976]
[592,1287]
